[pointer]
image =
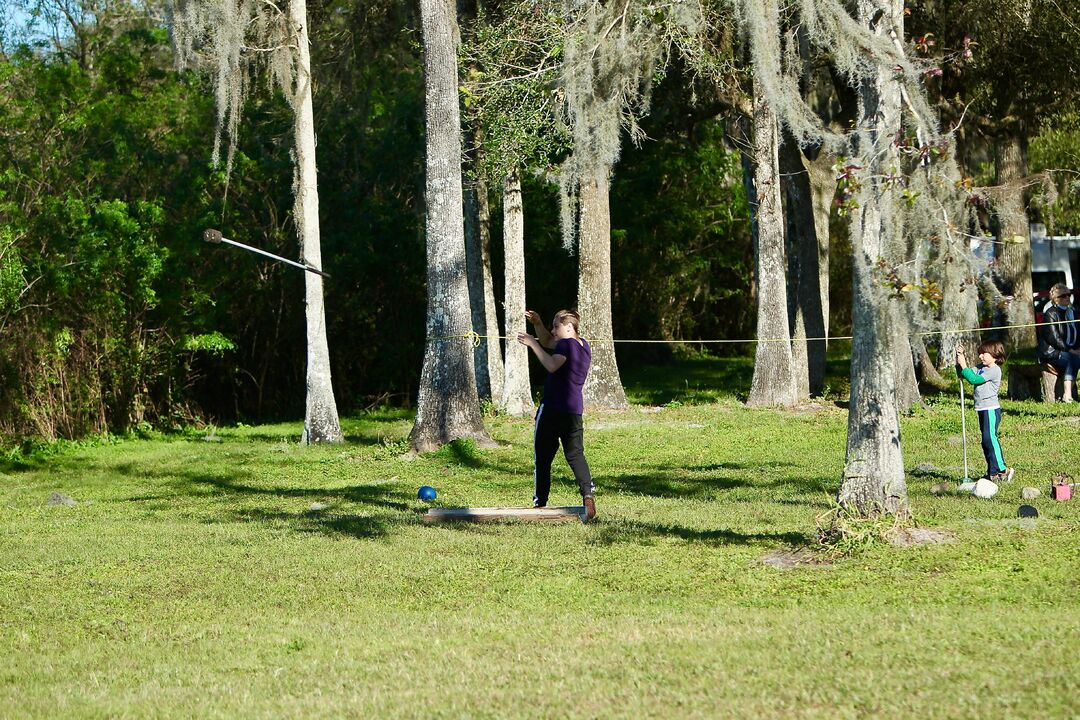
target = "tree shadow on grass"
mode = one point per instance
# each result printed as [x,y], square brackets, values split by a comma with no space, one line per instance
[635,531]
[668,486]
[375,495]
[391,507]
[362,527]
[704,482]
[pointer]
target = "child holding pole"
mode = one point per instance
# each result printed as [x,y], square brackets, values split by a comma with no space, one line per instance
[985,378]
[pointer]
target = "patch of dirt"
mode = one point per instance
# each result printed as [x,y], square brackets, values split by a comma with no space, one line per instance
[788,559]
[909,537]
[59,498]
[815,406]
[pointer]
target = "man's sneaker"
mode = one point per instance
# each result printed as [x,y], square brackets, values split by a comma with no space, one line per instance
[1006,476]
[590,509]
[538,505]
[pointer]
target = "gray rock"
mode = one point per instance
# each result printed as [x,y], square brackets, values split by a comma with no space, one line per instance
[925,469]
[907,537]
[1030,493]
[941,489]
[319,506]
[790,559]
[59,498]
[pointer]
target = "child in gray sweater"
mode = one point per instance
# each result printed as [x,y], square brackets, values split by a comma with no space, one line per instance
[986,380]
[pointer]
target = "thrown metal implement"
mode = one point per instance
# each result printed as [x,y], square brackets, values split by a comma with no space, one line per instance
[215,237]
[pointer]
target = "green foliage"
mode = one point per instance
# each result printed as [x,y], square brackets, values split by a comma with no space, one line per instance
[510,58]
[92,159]
[694,245]
[213,342]
[12,272]
[843,532]
[1056,150]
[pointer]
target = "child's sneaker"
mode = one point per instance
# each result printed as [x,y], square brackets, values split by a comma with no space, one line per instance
[1006,476]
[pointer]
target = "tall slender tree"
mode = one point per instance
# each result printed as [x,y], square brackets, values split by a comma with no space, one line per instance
[612,53]
[487,355]
[774,378]
[320,415]
[808,187]
[511,61]
[448,407]
[517,393]
[233,39]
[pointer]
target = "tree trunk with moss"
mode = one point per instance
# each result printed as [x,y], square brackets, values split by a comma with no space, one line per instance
[873,480]
[959,298]
[603,388]
[907,384]
[808,293]
[773,383]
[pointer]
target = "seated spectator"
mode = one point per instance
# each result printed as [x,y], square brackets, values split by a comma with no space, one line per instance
[1059,341]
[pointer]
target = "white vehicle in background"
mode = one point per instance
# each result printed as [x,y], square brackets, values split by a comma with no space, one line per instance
[1054,259]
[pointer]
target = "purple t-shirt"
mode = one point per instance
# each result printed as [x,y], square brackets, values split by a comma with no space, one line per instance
[562,389]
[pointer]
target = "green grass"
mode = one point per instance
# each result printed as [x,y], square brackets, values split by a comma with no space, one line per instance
[194,579]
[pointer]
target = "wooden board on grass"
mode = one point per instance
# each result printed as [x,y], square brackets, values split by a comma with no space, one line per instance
[548,514]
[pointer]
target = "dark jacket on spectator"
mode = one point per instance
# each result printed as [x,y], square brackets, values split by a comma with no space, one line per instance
[1056,339]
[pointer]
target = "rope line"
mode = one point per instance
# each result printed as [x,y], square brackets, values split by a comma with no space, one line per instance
[474,337]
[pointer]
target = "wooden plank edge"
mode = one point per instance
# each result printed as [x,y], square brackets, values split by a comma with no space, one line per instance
[460,514]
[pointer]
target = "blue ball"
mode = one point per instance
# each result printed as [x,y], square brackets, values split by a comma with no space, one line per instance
[426,493]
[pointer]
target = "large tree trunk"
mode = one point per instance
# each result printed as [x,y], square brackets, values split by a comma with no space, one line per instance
[321,424]
[1014,248]
[807,299]
[874,468]
[448,407]
[487,355]
[517,392]
[774,378]
[603,389]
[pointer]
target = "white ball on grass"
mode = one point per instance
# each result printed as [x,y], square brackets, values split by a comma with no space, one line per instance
[985,489]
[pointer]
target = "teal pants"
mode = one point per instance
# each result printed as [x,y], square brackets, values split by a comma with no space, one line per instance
[988,426]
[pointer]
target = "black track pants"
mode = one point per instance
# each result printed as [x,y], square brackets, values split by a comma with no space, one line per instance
[551,429]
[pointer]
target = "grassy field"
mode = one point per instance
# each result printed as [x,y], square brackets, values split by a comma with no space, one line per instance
[230,572]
